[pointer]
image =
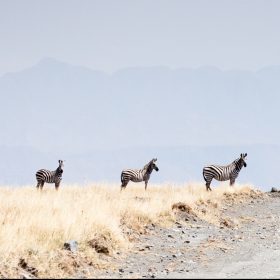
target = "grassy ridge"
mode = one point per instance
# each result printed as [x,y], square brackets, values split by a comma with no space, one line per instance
[35,225]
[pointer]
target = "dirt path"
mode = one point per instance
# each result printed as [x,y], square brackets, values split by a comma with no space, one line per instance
[202,250]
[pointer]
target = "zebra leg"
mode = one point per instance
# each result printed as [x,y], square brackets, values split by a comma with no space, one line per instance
[207,178]
[42,185]
[208,186]
[56,186]
[123,186]
[146,183]
[232,181]
[38,185]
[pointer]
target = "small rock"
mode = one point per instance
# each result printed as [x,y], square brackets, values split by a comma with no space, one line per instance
[25,276]
[121,270]
[170,236]
[274,189]
[187,241]
[72,245]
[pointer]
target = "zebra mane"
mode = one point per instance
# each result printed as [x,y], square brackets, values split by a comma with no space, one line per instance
[237,162]
[59,170]
[146,167]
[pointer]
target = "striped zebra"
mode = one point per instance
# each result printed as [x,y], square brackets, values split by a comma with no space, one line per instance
[47,176]
[224,173]
[138,175]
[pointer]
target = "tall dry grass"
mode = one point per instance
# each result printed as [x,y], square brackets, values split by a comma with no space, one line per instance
[36,224]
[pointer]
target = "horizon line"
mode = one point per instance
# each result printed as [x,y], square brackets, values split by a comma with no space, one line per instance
[111,73]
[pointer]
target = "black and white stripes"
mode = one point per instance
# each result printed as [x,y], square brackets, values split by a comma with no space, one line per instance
[138,175]
[224,173]
[47,176]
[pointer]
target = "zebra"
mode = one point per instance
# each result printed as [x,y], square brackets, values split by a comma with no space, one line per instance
[138,175]
[47,176]
[224,173]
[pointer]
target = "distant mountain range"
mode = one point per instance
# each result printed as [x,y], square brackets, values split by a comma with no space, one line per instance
[101,123]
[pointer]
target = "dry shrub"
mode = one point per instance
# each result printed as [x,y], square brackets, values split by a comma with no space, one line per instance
[32,270]
[228,222]
[100,244]
[184,212]
[182,207]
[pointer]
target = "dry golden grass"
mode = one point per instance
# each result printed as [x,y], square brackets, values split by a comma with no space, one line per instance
[35,225]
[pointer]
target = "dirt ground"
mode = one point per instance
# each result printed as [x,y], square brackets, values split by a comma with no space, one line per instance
[245,247]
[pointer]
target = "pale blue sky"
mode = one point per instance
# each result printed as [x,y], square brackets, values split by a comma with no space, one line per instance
[109,35]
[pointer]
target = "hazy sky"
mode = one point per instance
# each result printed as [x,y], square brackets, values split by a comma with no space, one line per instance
[109,35]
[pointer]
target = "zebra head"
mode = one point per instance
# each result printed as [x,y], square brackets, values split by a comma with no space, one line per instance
[61,164]
[151,166]
[154,165]
[242,159]
[59,170]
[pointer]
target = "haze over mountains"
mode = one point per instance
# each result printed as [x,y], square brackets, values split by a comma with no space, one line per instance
[101,123]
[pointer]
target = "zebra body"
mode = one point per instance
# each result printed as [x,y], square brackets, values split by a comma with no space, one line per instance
[224,173]
[138,175]
[47,176]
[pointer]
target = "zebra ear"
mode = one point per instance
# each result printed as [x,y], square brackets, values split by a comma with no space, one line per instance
[155,159]
[245,155]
